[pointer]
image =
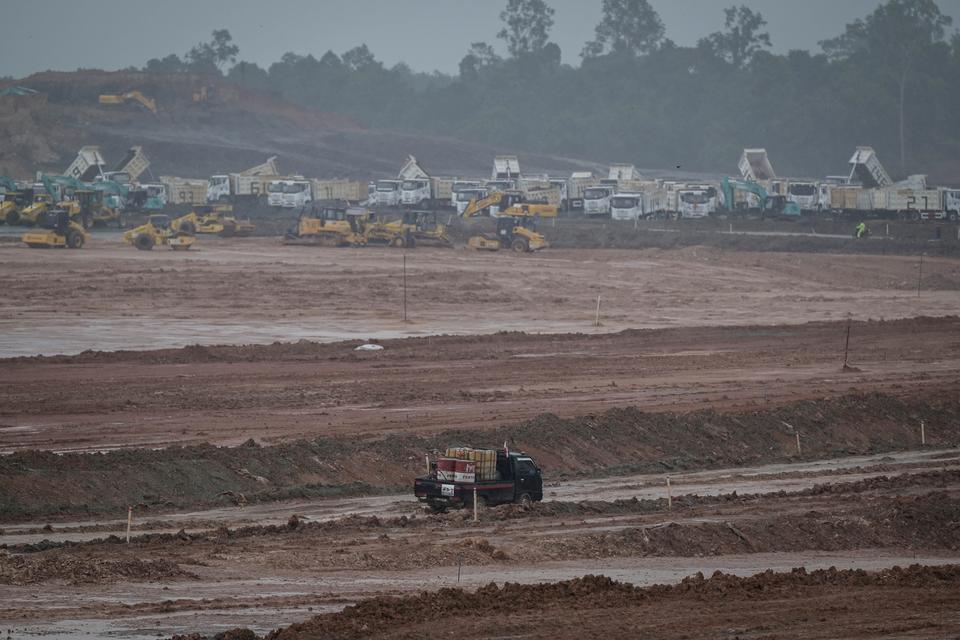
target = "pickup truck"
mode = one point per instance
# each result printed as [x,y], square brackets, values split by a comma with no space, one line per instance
[518,480]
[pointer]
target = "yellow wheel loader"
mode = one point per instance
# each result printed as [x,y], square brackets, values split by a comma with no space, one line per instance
[158,232]
[516,222]
[55,229]
[330,226]
[214,219]
[30,212]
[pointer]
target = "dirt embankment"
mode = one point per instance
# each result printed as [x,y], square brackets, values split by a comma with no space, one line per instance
[73,569]
[234,129]
[40,483]
[593,606]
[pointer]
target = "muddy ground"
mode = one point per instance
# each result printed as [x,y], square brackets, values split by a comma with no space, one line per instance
[34,483]
[263,577]
[255,290]
[261,475]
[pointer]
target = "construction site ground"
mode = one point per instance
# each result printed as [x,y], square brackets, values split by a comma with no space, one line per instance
[264,569]
[270,476]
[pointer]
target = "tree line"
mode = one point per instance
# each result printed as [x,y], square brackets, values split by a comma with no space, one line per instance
[890,80]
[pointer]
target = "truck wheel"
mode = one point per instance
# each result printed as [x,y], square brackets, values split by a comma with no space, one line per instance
[13,217]
[74,239]
[399,242]
[525,500]
[144,242]
[952,216]
[520,245]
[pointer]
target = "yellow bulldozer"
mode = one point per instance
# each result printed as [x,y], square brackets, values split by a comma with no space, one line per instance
[56,229]
[415,228]
[131,96]
[158,231]
[516,222]
[214,219]
[330,226]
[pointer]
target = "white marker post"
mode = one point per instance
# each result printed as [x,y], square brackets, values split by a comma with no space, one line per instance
[596,321]
[475,505]
[799,451]
[923,434]
[129,522]
[669,495]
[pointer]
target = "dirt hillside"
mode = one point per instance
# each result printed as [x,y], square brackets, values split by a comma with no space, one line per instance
[235,129]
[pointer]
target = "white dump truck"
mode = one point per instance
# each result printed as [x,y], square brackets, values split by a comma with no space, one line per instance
[627,206]
[596,200]
[289,193]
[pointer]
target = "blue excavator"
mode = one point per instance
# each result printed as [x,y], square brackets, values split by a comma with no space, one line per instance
[770,205]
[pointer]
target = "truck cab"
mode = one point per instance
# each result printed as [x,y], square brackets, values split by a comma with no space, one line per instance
[218,189]
[461,185]
[626,206]
[596,200]
[464,196]
[804,194]
[415,192]
[296,194]
[388,193]
[697,203]
[518,479]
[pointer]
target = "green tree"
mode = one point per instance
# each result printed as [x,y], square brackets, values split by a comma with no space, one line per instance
[248,74]
[170,64]
[209,57]
[480,56]
[359,58]
[528,24]
[893,40]
[741,38]
[627,26]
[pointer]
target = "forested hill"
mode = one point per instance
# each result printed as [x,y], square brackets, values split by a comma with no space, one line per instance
[637,97]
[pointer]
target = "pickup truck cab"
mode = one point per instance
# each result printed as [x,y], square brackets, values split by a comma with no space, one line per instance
[518,480]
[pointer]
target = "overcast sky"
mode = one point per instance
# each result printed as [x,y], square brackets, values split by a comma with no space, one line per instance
[426,34]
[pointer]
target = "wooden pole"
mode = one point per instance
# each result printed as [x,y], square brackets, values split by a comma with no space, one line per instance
[799,451]
[846,346]
[475,504]
[129,522]
[404,287]
[596,321]
[669,495]
[427,456]
[920,275]
[923,433]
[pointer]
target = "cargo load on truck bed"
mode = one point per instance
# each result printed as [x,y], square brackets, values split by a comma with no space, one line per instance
[492,476]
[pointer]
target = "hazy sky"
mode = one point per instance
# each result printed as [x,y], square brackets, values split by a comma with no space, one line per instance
[426,34]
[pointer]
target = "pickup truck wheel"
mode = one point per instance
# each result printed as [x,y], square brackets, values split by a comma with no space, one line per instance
[525,500]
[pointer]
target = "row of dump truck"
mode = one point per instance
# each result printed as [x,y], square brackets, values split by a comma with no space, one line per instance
[623,194]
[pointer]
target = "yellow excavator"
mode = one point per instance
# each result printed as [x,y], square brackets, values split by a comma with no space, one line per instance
[413,229]
[131,96]
[214,219]
[56,229]
[157,231]
[516,222]
[330,226]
